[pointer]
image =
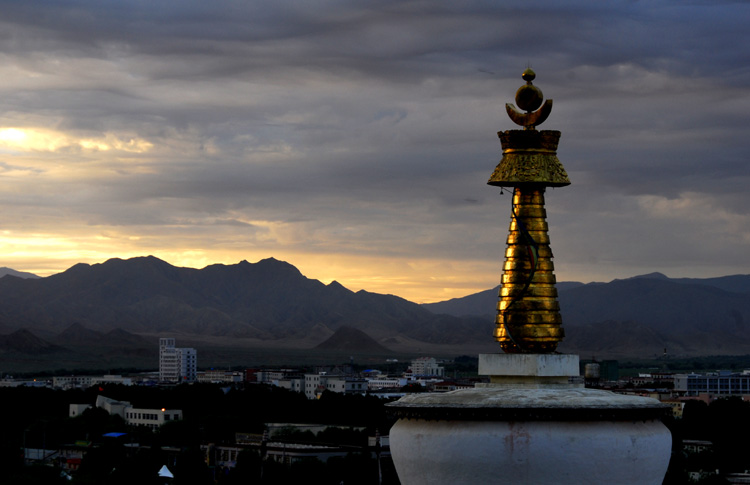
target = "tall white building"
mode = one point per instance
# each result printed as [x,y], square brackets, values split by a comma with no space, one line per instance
[426,366]
[177,364]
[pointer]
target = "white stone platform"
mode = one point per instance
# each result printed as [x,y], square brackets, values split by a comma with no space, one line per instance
[529,370]
[529,425]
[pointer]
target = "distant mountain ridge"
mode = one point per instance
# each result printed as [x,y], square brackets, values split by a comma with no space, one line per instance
[643,314]
[267,300]
[19,274]
[120,306]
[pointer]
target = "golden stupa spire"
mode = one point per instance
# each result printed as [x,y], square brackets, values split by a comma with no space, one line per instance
[528,313]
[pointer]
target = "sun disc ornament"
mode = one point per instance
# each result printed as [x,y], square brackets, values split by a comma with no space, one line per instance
[529,98]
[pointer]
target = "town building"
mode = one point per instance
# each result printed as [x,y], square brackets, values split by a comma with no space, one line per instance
[83,382]
[316,384]
[11,382]
[270,376]
[677,407]
[177,364]
[724,383]
[223,457]
[251,375]
[447,386]
[295,384]
[220,377]
[426,366]
[150,418]
[380,382]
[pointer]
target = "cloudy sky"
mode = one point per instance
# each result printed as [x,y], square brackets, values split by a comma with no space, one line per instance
[354,139]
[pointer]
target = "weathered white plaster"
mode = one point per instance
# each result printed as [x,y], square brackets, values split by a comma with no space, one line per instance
[536,365]
[531,452]
[515,434]
[499,398]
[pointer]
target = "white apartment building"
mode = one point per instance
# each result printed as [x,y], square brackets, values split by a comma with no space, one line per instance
[426,366]
[177,364]
[316,384]
[387,382]
[293,384]
[724,383]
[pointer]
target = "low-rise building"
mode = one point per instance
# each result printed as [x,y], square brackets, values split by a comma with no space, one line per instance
[380,382]
[723,383]
[294,384]
[676,405]
[11,382]
[447,386]
[220,377]
[316,384]
[84,382]
[280,452]
[77,409]
[696,446]
[270,376]
[151,418]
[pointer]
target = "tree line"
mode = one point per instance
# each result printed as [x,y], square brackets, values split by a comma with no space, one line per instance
[38,418]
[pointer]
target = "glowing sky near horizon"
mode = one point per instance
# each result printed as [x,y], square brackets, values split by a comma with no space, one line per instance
[354,139]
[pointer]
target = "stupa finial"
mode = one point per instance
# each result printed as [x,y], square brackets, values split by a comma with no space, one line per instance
[529,98]
[528,318]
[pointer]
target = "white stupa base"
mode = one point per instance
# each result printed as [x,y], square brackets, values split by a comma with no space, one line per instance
[529,425]
[529,370]
[531,452]
[528,365]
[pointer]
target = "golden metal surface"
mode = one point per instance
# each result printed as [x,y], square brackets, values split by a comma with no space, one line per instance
[528,318]
[544,252]
[529,120]
[529,98]
[521,278]
[529,305]
[520,265]
[536,291]
[539,238]
[532,226]
[529,157]
[528,312]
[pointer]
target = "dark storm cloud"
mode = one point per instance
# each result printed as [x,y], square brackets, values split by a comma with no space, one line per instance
[370,126]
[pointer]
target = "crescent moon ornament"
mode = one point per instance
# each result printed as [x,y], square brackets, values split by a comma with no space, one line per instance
[529,120]
[529,98]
